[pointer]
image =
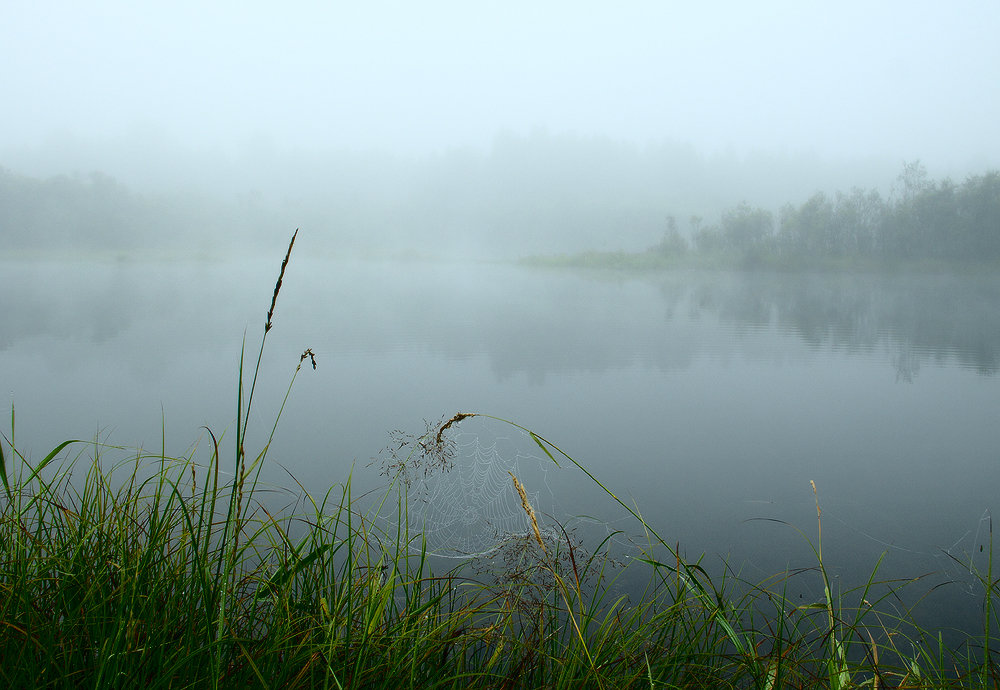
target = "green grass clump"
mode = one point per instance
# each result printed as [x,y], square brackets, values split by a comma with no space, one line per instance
[177,572]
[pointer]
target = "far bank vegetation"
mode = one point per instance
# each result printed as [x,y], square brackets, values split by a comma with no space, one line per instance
[923,222]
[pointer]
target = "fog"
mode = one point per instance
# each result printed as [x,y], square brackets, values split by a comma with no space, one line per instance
[486,128]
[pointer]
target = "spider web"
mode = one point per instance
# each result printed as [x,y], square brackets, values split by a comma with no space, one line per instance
[469,507]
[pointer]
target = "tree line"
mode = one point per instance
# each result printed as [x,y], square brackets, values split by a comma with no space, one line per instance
[80,213]
[922,219]
[525,196]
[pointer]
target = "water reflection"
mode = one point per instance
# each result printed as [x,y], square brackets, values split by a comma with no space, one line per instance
[525,322]
[921,318]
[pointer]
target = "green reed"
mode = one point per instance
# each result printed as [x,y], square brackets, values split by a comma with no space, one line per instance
[122,567]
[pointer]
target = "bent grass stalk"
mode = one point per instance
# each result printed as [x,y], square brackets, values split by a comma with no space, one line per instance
[693,576]
[836,662]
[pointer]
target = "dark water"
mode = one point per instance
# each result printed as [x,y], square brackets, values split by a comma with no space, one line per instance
[709,400]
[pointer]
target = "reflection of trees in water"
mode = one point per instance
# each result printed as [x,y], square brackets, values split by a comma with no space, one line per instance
[906,361]
[523,321]
[920,318]
[93,302]
[753,308]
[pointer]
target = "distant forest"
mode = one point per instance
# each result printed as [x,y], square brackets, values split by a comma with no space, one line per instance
[94,213]
[923,220]
[527,196]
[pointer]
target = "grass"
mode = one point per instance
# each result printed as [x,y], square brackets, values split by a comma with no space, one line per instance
[170,572]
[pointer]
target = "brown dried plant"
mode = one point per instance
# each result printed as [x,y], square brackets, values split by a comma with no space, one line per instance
[408,456]
[529,511]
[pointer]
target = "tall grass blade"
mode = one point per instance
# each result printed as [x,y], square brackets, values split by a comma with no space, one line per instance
[281,577]
[3,471]
[543,447]
[48,458]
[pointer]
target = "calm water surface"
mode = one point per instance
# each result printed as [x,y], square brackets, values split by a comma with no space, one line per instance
[708,399]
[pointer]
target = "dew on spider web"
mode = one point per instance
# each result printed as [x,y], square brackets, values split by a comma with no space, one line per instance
[460,492]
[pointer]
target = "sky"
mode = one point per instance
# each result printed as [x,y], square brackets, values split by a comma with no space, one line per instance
[903,80]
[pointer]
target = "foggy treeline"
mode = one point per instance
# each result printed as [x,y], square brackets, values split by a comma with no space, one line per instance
[527,194]
[922,219]
[94,212]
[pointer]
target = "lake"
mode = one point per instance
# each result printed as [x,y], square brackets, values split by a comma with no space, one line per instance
[710,400]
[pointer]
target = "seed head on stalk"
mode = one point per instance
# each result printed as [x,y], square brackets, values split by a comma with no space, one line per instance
[277,285]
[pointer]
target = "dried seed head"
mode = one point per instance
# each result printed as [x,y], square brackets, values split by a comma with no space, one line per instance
[411,455]
[308,353]
[277,285]
[529,511]
[454,420]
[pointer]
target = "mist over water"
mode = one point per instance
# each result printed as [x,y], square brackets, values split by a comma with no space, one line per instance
[710,398]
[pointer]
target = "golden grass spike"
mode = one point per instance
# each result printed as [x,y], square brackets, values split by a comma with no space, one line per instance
[529,511]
